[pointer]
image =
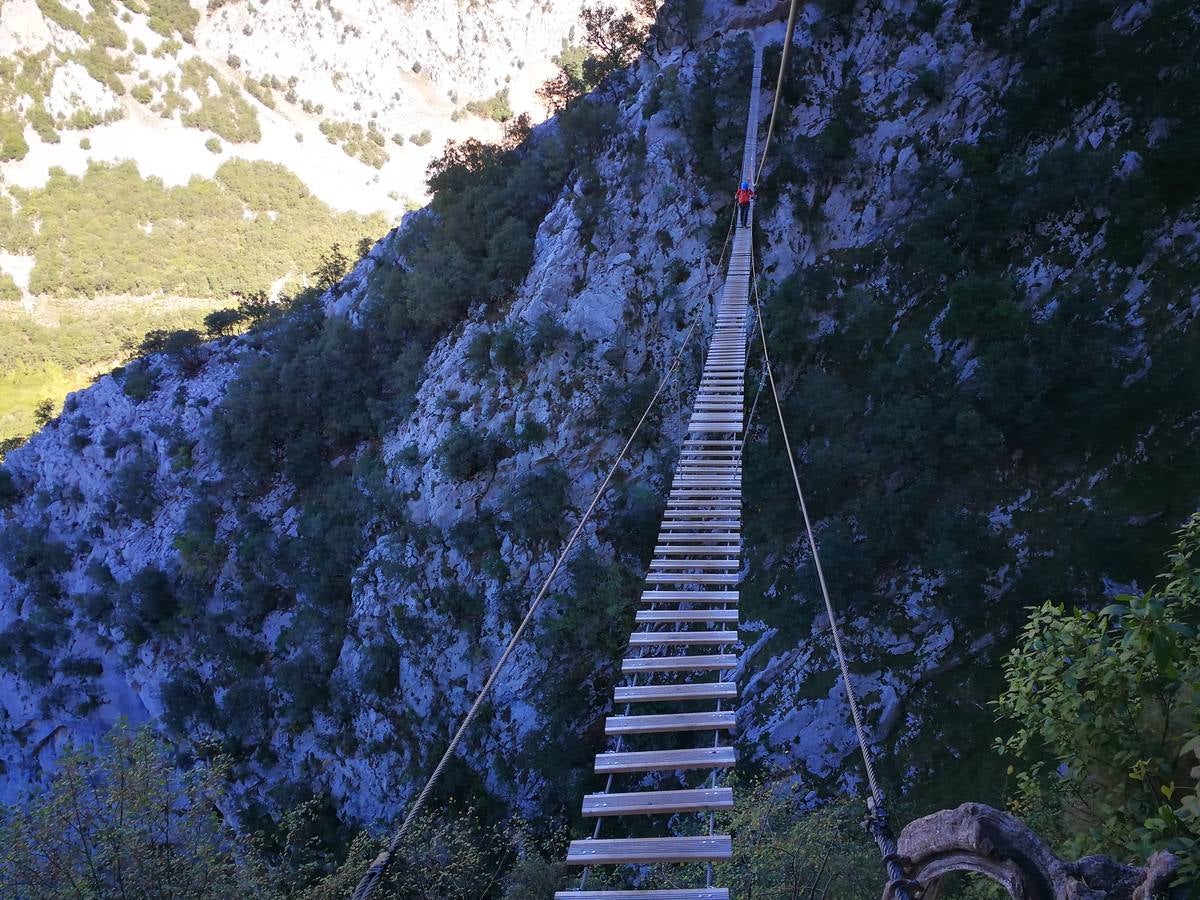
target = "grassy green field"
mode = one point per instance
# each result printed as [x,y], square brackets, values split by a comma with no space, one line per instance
[105,241]
[63,345]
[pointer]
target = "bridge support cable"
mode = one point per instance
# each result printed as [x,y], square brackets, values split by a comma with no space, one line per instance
[877,818]
[691,587]
[379,866]
[783,65]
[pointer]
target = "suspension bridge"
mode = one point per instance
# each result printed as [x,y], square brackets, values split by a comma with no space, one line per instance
[682,648]
[670,744]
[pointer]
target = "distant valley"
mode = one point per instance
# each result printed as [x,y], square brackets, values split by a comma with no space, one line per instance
[156,157]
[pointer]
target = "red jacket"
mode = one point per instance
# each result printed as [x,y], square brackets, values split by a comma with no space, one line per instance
[744,195]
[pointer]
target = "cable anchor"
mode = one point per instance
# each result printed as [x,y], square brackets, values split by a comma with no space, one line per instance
[878,825]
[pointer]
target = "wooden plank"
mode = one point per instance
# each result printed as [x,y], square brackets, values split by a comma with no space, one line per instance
[729,517]
[694,522]
[666,760]
[704,663]
[668,894]
[660,894]
[714,549]
[693,578]
[683,528]
[653,596]
[701,638]
[647,851]
[698,602]
[689,520]
[651,803]
[687,565]
[686,615]
[673,722]
[693,527]
[653,693]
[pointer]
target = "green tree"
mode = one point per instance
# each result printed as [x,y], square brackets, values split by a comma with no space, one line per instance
[785,849]
[612,40]
[123,822]
[12,137]
[332,268]
[223,322]
[43,415]
[1106,707]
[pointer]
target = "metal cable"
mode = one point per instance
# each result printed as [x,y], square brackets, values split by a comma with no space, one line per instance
[379,866]
[879,828]
[787,53]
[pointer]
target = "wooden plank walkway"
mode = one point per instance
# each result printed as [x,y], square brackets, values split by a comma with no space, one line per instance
[684,646]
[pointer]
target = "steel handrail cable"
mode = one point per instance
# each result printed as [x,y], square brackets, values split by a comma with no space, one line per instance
[762,379]
[379,865]
[783,61]
[879,827]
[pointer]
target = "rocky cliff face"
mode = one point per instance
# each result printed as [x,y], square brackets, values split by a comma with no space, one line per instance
[309,74]
[330,639]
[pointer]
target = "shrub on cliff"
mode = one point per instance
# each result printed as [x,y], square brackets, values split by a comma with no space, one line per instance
[537,504]
[466,452]
[1105,710]
[123,821]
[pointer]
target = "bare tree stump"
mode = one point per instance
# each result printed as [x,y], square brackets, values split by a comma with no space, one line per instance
[977,838]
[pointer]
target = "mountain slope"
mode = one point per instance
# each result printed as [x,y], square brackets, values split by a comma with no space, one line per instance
[142,145]
[305,545]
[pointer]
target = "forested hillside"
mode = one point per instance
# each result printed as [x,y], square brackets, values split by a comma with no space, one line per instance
[295,552]
[156,157]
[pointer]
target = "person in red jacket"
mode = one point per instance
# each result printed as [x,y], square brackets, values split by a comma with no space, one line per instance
[744,195]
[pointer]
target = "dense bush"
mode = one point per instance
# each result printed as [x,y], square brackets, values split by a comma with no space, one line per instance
[134,493]
[715,112]
[187,250]
[149,605]
[32,554]
[621,406]
[635,521]
[548,333]
[467,452]
[125,820]
[786,849]
[496,107]
[13,145]
[507,351]
[593,622]
[317,392]
[537,503]
[168,17]
[26,647]
[224,112]
[365,145]
[1104,709]
[9,492]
